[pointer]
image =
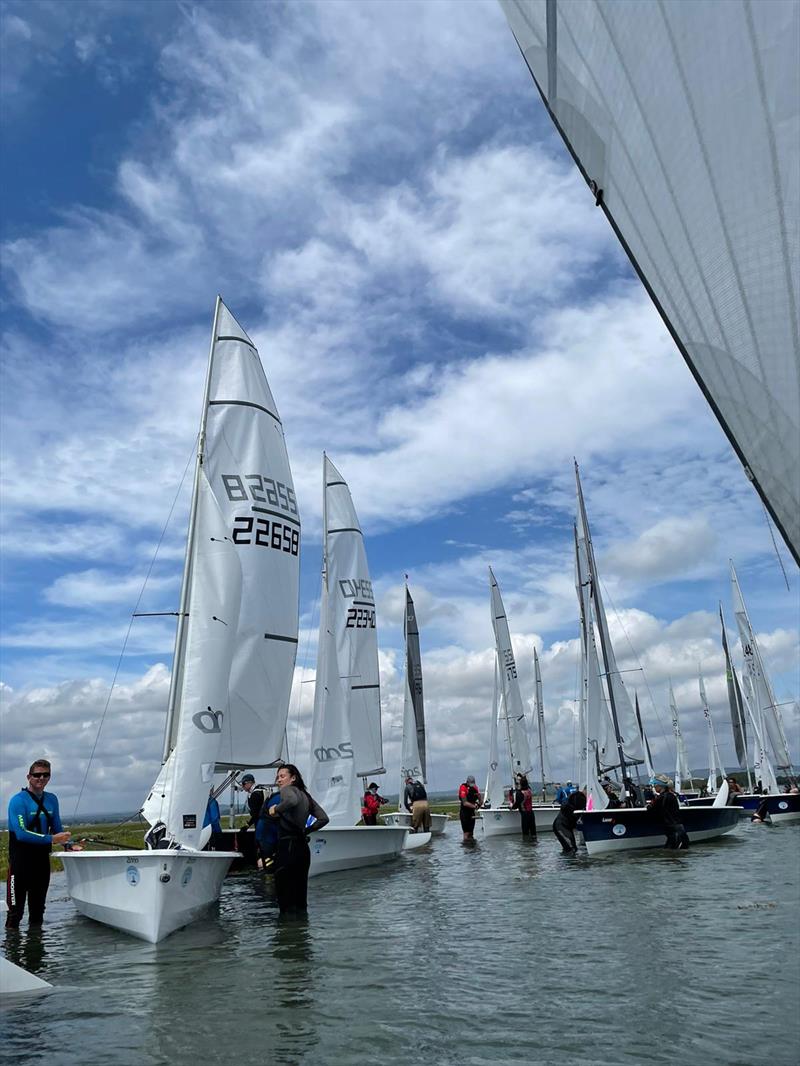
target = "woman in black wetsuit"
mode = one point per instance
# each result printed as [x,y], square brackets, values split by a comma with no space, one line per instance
[666,806]
[566,820]
[292,853]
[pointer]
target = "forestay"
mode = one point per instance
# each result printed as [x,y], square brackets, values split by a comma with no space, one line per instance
[511,705]
[237,640]
[683,120]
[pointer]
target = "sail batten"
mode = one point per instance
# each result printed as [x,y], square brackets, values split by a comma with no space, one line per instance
[661,105]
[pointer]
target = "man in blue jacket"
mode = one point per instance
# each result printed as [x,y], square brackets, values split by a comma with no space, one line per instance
[34,825]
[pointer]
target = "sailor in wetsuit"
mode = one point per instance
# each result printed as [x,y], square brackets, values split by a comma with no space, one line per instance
[666,807]
[469,799]
[567,818]
[34,825]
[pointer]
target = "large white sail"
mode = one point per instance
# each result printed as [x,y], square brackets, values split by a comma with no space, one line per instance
[715,766]
[682,771]
[412,747]
[594,721]
[237,636]
[346,731]
[513,710]
[765,708]
[701,194]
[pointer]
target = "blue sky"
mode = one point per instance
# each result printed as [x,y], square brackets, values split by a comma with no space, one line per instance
[378,194]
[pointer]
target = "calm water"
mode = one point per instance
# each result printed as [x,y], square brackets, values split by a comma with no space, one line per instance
[504,953]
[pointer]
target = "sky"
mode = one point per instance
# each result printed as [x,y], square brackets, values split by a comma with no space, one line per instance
[379,196]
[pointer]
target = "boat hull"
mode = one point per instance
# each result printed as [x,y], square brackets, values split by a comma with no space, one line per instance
[403,818]
[350,847]
[502,822]
[781,808]
[414,841]
[625,829]
[148,894]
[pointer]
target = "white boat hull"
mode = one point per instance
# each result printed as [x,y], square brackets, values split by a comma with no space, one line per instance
[350,847]
[148,894]
[500,822]
[14,981]
[416,840]
[403,818]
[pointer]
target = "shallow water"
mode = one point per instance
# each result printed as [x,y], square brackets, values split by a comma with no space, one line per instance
[503,953]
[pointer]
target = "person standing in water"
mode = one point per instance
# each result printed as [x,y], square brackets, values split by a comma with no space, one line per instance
[469,799]
[567,818]
[34,825]
[666,807]
[523,802]
[292,853]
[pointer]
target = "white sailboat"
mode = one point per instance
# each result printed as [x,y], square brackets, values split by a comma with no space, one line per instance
[607,830]
[234,651]
[715,766]
[498,819]
[766,720]
[541,729]
[346,737]
[413,750]
[736,705]
[683,775]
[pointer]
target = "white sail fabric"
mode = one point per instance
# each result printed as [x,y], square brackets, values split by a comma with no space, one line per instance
[235,656]
[683,119]
[735,700]
[493,792]
[346,741]
[766,710]
[593,718]
[682,771]
[715,766]
[513,709]
[541,729]
[332,778]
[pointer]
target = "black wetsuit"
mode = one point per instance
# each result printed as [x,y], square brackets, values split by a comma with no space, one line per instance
[467,814]
[566,820]
[292,853]
[527,817]
[666,807]
[31,822]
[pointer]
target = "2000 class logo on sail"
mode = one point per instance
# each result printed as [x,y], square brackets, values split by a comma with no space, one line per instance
[343,751]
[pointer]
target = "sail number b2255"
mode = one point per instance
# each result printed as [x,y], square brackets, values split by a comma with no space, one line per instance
[247,529]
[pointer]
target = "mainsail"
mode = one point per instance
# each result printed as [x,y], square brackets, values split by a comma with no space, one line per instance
[237,633]
[735,700]
[541,732]
[765,709]
[715,765]
[492,793]
[593,717]
[513,710]
[412,749]
[346,740]
[682,771]
[683,120]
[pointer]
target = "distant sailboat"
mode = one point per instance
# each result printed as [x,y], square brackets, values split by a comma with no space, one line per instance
[766,720]
[234,651]
[498,819]
[608,830]
[346,735]
[413,748]
[541,728]
[684,784]
[715,765]
[736,705]
[641,94]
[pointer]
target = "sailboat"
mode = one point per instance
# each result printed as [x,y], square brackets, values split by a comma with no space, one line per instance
[612,740]
[497,817]
[736,705]
[766,721]
[235,649]
[413,750]
[682,771]
[346,736]
[657,144]
[541,731]
[716,768]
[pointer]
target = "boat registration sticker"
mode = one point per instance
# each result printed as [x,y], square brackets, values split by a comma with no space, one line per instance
[619,830]
[132,875]
[783,805]
[187,876]
[318,845]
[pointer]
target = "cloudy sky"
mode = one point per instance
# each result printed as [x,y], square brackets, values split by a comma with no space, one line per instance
[378,194]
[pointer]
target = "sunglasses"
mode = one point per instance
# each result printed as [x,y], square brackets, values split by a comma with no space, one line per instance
[38,775]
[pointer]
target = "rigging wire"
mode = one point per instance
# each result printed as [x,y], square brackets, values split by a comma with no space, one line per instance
[775,546]
[303,668]
[128,631]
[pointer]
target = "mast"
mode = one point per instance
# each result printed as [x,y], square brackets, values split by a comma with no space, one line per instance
[180,630]
[648,757]
[600,618]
